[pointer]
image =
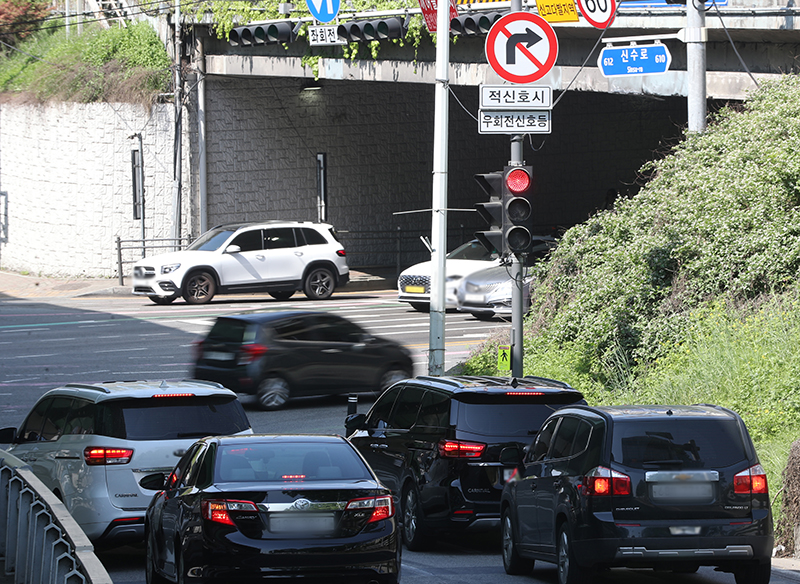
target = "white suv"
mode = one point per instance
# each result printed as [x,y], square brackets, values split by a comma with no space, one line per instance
[278,257]
[91,444]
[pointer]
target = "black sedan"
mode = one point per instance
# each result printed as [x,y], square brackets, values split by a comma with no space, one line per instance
[256,507]
[278,355]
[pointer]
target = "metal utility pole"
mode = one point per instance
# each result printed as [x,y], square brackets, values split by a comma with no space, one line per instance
[439,206]
[517,311]
[696,37]
[176,163]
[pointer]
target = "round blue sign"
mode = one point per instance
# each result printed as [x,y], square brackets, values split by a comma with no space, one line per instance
[323,10]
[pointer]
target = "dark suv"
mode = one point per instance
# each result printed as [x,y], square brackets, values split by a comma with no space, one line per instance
[666,487]
[436,443]
[278,355]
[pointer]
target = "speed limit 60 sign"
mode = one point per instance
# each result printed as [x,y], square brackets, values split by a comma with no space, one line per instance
[598,13]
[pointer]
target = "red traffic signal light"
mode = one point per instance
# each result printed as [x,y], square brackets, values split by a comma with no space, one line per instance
[518,207]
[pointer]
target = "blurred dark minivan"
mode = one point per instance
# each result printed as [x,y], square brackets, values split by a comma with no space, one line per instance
[664,487]
[436,443]
[278,355]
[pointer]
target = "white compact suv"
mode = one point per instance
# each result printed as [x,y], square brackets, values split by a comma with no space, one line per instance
[91,444]
[277,257]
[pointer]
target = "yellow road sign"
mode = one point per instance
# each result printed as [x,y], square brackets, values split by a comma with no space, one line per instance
[557,10]
[504,357]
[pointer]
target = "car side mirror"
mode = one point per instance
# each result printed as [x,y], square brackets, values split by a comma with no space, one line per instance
[233,249]
[355,422]
[8,435]
[511,456]
[153,482]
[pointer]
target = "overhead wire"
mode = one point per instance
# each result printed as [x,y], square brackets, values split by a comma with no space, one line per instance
[733,46]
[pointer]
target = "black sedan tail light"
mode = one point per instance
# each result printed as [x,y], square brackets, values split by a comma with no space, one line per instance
[380,507]
[219,510]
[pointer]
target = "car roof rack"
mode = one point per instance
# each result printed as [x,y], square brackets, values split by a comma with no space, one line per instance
[87,386]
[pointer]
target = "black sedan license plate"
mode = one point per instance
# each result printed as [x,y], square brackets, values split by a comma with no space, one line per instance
[292,523]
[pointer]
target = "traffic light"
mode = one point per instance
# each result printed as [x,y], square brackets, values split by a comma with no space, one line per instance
[474,24]
[371,30]
[262,34]
[492,211]
[517,186]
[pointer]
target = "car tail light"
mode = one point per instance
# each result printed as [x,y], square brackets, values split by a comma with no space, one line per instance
[173,395]
[218,510]
[251,352]
[94,455]
[524,393]
[753,480]
[382,507]
[602,481]
[340,253]
[461,449]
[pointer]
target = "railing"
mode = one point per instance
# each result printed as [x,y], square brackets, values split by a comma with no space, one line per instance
[41,543]
[125,246]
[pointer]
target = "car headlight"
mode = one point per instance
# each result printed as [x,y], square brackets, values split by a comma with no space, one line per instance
[170,268]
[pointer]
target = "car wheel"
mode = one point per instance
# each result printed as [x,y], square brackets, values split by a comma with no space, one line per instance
[421,306]
[755,573]
[162,300]
[513,563]
[413,527]
[390,377]
[273,393]
[151,576]
[282,295]
[199,288]
[569,572]
[319,284]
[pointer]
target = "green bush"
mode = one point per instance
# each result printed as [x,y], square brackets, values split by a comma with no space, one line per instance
[118,64]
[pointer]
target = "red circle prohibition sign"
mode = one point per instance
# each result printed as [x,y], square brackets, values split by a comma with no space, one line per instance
[521,47]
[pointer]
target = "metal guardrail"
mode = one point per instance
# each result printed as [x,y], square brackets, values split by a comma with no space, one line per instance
[40,542]
[142,245]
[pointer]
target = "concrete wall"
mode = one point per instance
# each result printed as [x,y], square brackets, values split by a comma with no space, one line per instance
[66,179]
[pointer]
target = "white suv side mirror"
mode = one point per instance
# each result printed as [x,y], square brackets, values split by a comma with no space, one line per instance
[233,249]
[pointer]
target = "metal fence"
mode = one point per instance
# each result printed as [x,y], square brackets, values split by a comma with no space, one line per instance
[130,251]
[40,542]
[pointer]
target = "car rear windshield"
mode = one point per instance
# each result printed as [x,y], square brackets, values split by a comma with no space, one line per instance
[171,418]
[698,443]
[290,462]
[510,416]
[230,330]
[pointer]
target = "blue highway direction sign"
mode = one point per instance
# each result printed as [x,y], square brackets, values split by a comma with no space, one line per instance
[651,59]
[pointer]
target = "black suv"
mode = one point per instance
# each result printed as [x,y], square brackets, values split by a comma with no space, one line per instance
[667,487]
[278,355]
[436,443]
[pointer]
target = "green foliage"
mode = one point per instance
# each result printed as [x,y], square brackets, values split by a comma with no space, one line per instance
[118,64]
[228,14]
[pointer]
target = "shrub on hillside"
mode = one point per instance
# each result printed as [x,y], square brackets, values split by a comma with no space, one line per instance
[19,18]
[719,217]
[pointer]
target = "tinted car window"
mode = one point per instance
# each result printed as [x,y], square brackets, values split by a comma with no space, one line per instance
[289,462]
[470,251]
[56,417]
[562,443]
[383,407]
[542,443]
[81,419]
[231,331]
[296,329]
[406,408]
[312,236]
[684,443]
[32,428]
[171,418]
[503,419]
[435,410]
[279,238]
[334,329]
[249,240]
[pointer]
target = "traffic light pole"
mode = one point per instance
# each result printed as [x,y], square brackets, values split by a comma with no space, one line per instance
[439,219]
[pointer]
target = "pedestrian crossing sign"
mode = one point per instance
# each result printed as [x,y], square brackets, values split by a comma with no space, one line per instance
[504,357]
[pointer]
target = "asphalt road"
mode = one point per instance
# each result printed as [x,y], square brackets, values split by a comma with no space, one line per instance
[44,343]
